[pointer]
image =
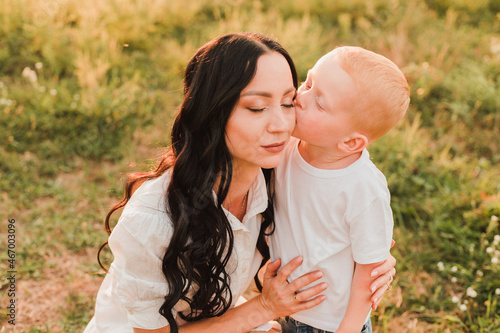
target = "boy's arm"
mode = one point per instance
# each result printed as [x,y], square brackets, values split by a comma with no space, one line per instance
[359,301]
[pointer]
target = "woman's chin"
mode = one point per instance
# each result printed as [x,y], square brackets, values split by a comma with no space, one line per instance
[272,162]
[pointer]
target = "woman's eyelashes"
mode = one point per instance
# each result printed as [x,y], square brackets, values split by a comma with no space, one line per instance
[256,109]
[290,103]
[286,104]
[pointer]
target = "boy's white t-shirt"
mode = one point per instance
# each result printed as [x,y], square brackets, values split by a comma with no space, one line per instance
[333,218]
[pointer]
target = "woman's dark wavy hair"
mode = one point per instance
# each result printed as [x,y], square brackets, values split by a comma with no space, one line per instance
[202,240]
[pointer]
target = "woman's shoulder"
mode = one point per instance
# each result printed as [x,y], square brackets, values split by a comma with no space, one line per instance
[150,196]
[146,210]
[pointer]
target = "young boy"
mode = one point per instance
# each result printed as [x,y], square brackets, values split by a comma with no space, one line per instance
[332,203]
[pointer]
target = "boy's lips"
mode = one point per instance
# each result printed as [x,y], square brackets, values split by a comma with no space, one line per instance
[275,147]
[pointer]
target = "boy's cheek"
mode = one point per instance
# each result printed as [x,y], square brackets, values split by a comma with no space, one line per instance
[303,127]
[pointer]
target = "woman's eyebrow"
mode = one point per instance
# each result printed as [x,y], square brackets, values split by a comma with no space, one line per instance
[264,93]
[257,93]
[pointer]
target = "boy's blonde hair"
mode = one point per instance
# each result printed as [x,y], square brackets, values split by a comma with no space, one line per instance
[383,92]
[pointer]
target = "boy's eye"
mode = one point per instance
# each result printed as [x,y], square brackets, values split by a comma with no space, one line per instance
[291,105]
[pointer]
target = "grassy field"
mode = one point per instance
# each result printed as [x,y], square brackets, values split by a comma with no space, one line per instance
[87,94]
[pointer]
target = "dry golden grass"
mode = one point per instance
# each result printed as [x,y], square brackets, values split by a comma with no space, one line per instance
[42,301]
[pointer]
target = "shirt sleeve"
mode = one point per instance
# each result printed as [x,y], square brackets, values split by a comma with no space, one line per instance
[371,232]
[138,243]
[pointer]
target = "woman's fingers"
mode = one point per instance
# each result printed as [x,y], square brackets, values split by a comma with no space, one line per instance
[301,306]
[272,268]
[382,280]
[380,286]
[278,297]
[384,267]
[308,293]
[304,280]
[285,271]
[377,296]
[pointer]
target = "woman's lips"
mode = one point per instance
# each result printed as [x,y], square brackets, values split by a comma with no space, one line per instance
[275,147]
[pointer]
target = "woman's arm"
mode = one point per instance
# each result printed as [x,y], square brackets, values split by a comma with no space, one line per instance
[277,299]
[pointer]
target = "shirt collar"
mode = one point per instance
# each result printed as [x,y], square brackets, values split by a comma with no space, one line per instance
[257,202]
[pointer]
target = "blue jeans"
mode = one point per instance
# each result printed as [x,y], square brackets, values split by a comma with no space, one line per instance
[290,325]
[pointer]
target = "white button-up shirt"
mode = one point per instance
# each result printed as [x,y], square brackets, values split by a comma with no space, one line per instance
[134,288]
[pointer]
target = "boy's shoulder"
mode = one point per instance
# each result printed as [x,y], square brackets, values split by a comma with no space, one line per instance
[367,179]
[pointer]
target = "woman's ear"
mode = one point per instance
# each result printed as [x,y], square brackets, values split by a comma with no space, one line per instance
[353,144]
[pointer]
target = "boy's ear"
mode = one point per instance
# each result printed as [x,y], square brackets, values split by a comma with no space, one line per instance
[353,144]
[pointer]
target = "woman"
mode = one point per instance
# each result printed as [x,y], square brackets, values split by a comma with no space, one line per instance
[193,234]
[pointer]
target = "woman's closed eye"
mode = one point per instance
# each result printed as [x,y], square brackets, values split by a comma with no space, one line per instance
[256,109]
[289,102]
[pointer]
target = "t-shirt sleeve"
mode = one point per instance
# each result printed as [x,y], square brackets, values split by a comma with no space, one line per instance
[138,243]
[371,232]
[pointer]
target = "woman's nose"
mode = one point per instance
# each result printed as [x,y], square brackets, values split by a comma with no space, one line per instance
[278,122]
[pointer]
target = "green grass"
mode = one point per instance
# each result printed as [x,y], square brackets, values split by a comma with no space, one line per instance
[87,89]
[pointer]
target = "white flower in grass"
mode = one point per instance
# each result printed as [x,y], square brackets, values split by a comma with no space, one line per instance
[489,250]
[454,279]
[73,105]
[471,292]
[42,88]
[53,92]
[6,101]
[463,307]
[496,239]
[440,266]
[38,65]
[454,269]
[479,273]
[485,242]
[455,299]
[497,291]
[29,74]
[494,218]
[466,301]
[494,260]
[76,97]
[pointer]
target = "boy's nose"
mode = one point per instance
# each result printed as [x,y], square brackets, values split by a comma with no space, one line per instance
[299,100]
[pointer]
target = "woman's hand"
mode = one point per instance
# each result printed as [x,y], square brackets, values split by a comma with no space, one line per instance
[280,298]
[384,275]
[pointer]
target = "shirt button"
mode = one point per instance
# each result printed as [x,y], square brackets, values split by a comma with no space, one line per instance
[244,270]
